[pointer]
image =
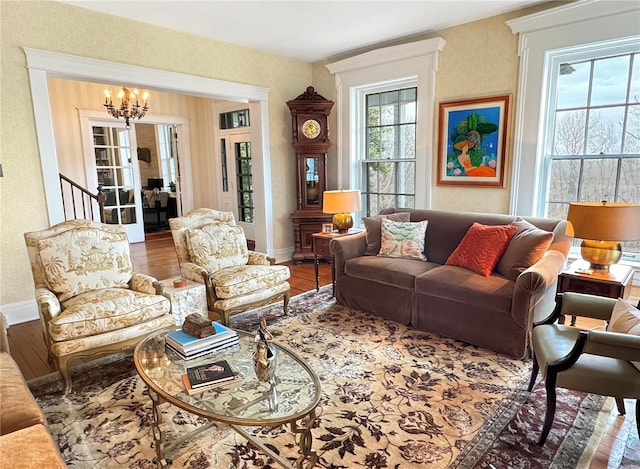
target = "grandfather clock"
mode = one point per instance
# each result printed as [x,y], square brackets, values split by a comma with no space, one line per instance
[310,138]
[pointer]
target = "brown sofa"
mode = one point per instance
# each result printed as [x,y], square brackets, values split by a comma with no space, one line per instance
[495,312]
[24,440]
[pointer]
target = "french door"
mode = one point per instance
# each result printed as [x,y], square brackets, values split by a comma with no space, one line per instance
[237,194]
[115,168]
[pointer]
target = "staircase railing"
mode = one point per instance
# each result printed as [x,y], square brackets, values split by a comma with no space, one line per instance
[81,199]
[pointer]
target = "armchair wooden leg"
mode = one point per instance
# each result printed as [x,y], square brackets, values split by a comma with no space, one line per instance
[534,374]
[285,305]
[550,386]
[620,405]
[63,368]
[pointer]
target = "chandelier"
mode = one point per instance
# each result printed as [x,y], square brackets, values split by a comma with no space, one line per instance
[129,108]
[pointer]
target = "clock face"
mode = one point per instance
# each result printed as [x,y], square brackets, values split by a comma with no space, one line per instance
[311,128]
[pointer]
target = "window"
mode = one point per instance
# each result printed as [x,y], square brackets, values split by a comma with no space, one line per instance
[592,135]
[388,163]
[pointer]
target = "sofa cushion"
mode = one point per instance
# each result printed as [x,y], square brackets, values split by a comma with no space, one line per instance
[403,239]
[18,408]
[217,246]
[527,247]
[625,319]
[461,285]
[30,448]
[481,247]
[387,270]
[82,260]
[373,227]
[245,279]
[106,310]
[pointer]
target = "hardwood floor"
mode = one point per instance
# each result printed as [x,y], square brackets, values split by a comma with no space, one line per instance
[619,448]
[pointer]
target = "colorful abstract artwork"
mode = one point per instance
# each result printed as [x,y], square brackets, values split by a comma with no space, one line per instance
[472,141]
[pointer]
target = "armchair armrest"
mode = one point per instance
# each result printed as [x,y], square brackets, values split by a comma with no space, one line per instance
[349,247]
[194,272]
[590,306]
[259,258]
[48,303]
[613,344]
[143,283]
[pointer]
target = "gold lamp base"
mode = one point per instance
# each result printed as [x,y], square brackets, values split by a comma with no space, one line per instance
[343,222]
[601,254]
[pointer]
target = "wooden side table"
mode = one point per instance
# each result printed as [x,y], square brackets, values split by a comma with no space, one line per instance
[192,298]
[320,249]
[614,284]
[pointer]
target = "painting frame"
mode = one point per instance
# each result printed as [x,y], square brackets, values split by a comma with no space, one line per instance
[472,141]
[327,228]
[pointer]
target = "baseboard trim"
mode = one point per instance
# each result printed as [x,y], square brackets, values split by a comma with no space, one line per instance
[22,311]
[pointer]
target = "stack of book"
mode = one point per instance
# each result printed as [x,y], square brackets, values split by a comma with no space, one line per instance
[188,346]
[209,376]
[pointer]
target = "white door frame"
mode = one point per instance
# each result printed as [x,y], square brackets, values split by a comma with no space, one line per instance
[43,64]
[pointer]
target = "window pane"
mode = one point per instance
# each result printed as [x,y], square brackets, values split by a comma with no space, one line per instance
[635,80]
[629,189]
[564,174]
[605,131]
[408,112]
[408,141]
[599,180]
[610,78]
[373,144]
[373,115]
[632,135]
[573,86]
[387,142]
[569,133]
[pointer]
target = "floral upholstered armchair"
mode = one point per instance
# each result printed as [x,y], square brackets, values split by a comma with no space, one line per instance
[212,250]
[89,298]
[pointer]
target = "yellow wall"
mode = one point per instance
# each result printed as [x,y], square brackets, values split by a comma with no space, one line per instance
[67,29]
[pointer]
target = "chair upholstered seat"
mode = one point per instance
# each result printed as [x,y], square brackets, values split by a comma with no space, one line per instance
[241,280]
[212,250]
[90,300]
[107,310]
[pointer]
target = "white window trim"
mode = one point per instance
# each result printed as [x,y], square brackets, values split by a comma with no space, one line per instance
[568,26]
[415,62]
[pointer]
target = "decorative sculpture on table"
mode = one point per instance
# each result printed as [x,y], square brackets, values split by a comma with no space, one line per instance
[265,354]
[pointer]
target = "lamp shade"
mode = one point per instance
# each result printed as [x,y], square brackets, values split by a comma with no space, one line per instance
[341,201]
[604,221]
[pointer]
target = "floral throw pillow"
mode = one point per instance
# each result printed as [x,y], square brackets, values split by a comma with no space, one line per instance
[481,247]
[403,239]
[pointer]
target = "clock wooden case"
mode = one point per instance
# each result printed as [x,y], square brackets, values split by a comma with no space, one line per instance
[310,139]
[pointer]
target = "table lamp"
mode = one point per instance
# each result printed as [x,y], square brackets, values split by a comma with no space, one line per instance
[601,226]
[341,203]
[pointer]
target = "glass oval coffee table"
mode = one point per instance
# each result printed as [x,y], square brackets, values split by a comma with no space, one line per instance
[290,398]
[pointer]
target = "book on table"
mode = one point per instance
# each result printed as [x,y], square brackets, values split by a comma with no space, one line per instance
[207,348]
[210,374]
[191,390]
[188,344]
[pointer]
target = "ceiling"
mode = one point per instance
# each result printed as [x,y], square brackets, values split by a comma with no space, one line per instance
[309,30]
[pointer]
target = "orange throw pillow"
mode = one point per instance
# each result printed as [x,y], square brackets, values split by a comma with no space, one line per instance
[481,247]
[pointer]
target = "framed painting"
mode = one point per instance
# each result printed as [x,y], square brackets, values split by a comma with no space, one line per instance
[472,141]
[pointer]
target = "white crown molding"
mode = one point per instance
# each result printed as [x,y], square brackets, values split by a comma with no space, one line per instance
[103,71]
[572,13]
[387,54]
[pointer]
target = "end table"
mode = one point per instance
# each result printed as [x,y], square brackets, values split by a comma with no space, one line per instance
[192,298]
[320,249]
[613,284]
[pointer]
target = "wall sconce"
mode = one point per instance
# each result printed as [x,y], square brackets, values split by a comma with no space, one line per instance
[129,106]
[601,226]
[341,203]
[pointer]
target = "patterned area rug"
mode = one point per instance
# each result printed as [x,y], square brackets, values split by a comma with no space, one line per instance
[392,397]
